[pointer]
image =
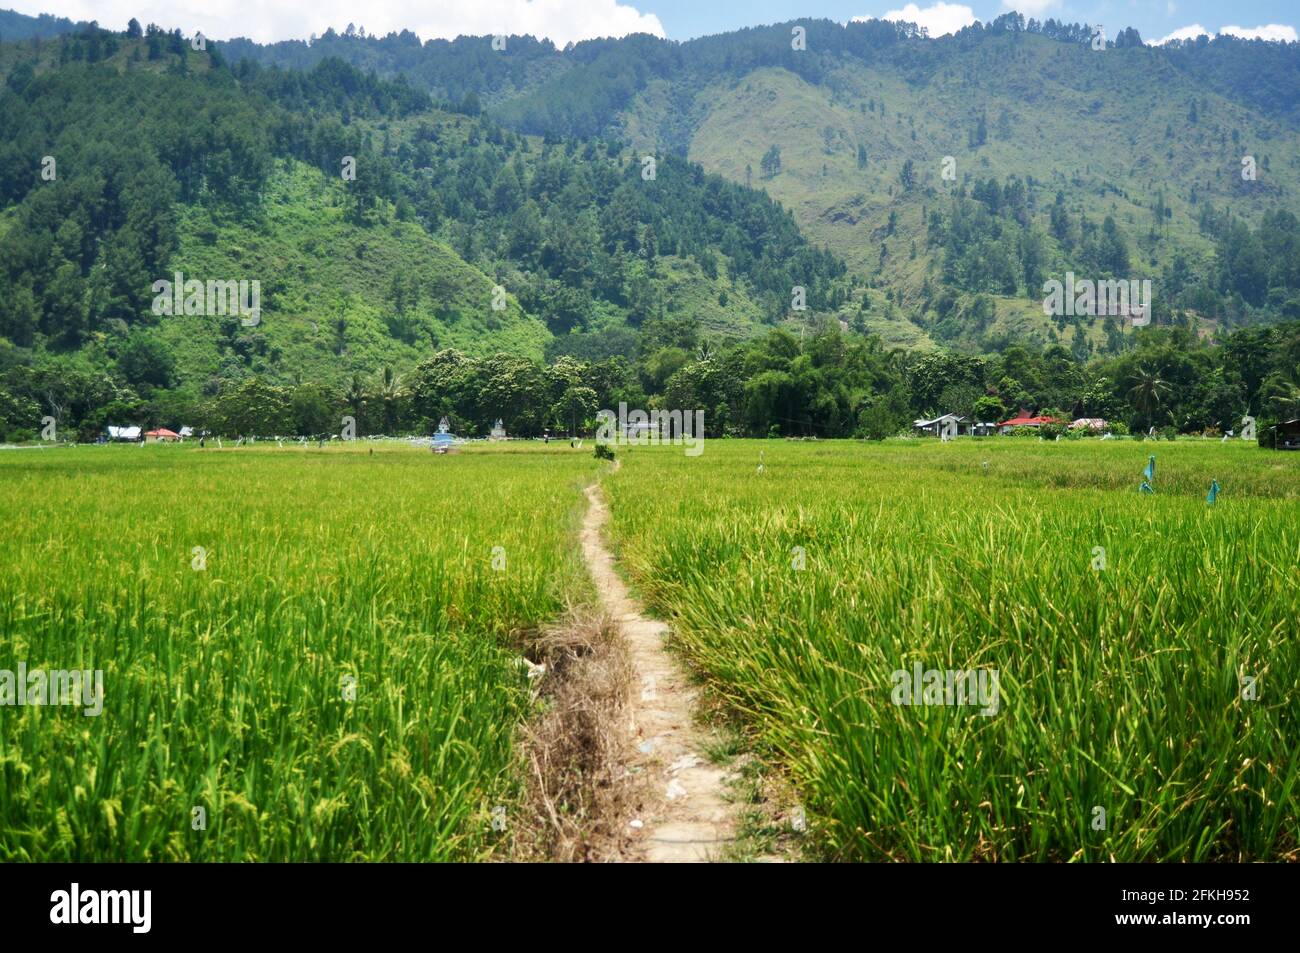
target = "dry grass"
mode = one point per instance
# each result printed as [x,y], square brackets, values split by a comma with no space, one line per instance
[580,792]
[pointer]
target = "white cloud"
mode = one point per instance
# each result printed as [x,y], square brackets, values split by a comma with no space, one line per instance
[1184,33]
[1030,8]
[938,18]
[563,21]
[1273,31]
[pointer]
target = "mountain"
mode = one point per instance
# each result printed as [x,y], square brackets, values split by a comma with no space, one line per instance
[16,26]
[1152,139]
[761,223]
[239,174]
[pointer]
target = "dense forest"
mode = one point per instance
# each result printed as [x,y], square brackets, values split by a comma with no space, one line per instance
[577,224]
[481,264]
[828,385]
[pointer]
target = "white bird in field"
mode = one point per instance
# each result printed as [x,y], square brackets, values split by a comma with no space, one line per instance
[761,468]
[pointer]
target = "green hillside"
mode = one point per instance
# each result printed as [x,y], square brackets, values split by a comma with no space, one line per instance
[326,292]
[1152,139]
[1108,129]
[381,229]
[729,224]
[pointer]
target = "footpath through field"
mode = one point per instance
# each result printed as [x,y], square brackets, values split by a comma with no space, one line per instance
[687,818]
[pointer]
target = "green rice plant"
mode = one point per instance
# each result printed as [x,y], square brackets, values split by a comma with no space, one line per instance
[1145,646]
[307,654]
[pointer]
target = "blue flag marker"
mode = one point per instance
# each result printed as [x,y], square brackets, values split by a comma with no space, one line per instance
[1150,471]
[1145,487]
[1214,492]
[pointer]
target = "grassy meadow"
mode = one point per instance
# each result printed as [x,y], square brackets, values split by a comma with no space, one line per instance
[1126,630]
[324,574]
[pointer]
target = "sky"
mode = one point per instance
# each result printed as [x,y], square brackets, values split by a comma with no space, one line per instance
[566,21]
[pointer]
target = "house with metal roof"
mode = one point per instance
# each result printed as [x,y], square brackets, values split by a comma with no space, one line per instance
[1026,419]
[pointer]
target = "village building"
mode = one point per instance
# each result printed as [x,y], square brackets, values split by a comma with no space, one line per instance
[954,425]
[1025,419]
[951,424]
[1095,424]
[1286,435]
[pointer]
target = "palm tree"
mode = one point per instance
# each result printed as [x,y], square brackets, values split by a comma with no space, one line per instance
[1148,392]
[390,390]
[355,397]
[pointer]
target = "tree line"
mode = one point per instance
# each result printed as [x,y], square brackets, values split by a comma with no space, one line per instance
[828,385]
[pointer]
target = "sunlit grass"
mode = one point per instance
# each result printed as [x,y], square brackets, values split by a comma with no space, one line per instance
[1120,688]
[224,688]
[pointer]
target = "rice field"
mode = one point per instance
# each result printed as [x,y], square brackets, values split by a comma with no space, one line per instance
[313,654]
[307,654]
[1144,646]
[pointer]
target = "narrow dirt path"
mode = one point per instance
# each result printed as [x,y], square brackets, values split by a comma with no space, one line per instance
[686,817]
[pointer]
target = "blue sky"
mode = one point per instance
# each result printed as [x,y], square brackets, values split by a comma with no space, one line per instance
[567,20]
[1152,18]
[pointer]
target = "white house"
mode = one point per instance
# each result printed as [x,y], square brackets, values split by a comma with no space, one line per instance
[950,424]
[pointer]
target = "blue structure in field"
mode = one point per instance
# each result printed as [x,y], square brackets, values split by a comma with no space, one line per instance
[443,440]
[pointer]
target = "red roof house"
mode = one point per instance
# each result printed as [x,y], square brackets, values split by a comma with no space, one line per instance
[1025,419]
[162,433]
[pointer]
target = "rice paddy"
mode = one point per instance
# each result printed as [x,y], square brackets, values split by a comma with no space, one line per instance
[313,654]
[307,654]
[1144,646]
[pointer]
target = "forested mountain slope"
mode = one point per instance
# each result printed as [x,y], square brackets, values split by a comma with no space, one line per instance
[532,234]
[849,127]
[452,232]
